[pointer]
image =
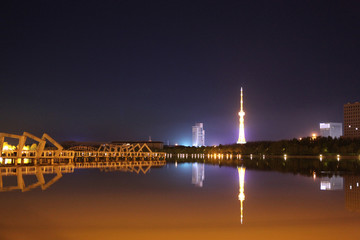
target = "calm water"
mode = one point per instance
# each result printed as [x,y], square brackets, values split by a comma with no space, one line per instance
[187,201]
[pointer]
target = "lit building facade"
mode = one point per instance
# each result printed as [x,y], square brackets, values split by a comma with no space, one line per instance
[198,135]
[331,129]
[241,139]
[352,120]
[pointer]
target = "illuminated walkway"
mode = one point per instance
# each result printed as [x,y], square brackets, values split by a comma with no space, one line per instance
[21,154]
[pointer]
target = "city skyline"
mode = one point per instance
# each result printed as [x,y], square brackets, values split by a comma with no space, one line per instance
[125,71]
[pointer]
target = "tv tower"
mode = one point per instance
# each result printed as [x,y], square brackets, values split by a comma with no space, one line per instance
[241,139]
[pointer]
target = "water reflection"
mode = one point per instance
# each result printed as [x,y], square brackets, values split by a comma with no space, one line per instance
[241,197]
[352,193]
[332,183]
[327,181]
[106,206]
[38,171]
[47,174]
[198,174]
[307,165]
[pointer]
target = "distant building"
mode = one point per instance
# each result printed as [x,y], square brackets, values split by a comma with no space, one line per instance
[198,135]
[352,120]
[331,129]
[150,144]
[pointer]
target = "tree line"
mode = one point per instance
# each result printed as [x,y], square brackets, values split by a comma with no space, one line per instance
[305,146]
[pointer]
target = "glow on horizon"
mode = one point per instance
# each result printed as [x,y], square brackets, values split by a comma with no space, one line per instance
[183,143]
[313,136]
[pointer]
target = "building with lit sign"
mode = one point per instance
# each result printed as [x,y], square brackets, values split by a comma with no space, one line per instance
[331,129]
[198,135]
[352,120]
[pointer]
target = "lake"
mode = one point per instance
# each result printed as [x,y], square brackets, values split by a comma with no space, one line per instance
[183,201]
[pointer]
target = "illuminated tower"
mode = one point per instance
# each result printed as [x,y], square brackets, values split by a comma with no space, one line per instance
[241,171]
[241,139]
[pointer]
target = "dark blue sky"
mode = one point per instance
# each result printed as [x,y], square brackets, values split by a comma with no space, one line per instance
[127,70]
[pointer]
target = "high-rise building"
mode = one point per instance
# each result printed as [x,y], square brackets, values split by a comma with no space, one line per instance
[241,139]
[352,120]
[331,129]
[198,135]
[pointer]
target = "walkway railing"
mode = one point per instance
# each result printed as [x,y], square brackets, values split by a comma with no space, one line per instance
[107,152]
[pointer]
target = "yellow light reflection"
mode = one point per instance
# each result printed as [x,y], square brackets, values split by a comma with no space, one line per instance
[241,197]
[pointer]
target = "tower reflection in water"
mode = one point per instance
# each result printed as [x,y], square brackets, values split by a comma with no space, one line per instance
[47,174]
[198,174]
[241,197]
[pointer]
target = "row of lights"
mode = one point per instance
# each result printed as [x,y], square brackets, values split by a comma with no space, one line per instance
[230,156]
[202,156]
[10,160]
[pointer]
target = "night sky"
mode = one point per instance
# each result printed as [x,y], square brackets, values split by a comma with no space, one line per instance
[127,70]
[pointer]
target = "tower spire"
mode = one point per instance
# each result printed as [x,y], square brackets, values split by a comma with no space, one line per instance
[241,100]
[241,139]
